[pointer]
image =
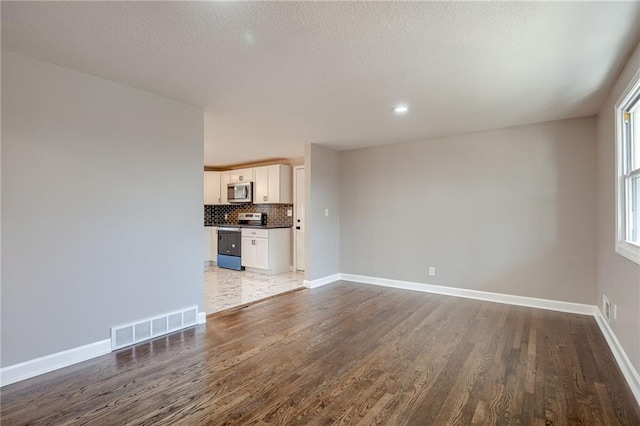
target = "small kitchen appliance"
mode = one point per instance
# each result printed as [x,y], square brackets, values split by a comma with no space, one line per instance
[240,192]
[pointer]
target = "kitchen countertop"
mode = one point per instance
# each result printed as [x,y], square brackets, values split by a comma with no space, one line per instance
[229,225]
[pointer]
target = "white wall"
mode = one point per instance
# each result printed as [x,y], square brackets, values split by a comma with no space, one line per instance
[508,211]
[101,207]
[322,234]
[618,277]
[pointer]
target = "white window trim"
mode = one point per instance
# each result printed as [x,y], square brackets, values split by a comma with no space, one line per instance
[623,248]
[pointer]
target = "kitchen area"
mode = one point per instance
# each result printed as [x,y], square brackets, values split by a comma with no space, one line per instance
[249,217]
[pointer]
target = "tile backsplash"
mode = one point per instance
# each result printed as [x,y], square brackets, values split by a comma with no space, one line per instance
[276,213]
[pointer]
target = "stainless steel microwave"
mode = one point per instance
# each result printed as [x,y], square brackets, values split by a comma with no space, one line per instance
[241,192]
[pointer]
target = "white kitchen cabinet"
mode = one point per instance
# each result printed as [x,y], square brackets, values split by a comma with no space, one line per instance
[255,253]
[266,250]
[240,175]
[247,252]
[224,195]
[207,245]
[212,194]
[261,185]
[213,246]
[255,248]
[273,185]
[204,196]
[262,253]
[210,244]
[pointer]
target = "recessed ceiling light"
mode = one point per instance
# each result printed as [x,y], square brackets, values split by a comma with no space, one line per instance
[400,109]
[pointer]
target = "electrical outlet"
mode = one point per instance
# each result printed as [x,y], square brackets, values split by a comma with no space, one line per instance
[226,216]
[606,307]
[289,212]
[615,312]
[432,271]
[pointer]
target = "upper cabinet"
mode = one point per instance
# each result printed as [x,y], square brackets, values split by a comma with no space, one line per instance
[224,194]
[241,175]
[212,193]
[272,185]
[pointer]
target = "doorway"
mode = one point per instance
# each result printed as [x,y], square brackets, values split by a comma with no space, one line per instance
[299,188]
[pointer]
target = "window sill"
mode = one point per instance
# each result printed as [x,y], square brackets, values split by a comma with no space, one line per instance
[630,251]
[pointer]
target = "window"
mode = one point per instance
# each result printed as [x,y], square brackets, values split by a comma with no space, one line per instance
[628,173]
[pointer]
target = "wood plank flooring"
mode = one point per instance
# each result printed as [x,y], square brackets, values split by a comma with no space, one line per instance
[347,354]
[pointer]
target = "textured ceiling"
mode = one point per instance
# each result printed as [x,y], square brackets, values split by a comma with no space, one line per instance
[273,76]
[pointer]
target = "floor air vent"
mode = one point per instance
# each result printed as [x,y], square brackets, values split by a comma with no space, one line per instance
[139,331]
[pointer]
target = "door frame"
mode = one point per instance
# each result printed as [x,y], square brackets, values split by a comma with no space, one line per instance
[295,218]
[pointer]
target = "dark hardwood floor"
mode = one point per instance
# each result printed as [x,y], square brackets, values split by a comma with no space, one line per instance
[347,354]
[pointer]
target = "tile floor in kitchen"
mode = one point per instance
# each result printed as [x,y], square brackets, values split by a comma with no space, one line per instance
[225,288]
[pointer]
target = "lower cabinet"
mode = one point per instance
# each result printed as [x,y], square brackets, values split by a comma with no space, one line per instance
[266,250]
[210,244]
[207,245]
[255,252]
[213,247]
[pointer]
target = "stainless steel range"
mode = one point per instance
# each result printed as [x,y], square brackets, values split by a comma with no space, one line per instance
[229,248]
[230,240]
[255,219]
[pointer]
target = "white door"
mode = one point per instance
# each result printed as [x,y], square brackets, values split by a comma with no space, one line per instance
[298,219]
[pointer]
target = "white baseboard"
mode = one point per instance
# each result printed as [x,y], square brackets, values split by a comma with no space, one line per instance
[629,372]
[322,281]
[531,302]
[35,367]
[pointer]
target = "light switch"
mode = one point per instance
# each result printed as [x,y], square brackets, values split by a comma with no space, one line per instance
[326,212]
[289,212]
